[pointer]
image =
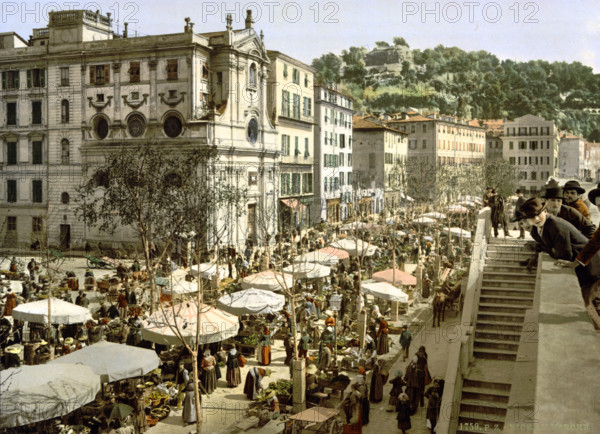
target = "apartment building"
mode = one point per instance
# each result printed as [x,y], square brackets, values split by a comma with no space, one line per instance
[333,155]
[572,157]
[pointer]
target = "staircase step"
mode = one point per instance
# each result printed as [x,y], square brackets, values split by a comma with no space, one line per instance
[491,409]
[501,316]
[495,344]
[488,395]
[511,267]
[494,354]
[503,388]
[489,291]
[502,335]
[504,308]
[518,275]
[503,283]
[506,300]
[485,325]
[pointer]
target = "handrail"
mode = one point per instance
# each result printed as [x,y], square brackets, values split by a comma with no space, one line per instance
[461,351]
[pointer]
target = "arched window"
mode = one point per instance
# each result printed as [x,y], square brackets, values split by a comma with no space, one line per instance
[64,197]
[64,111]
[64,149]
[253,74]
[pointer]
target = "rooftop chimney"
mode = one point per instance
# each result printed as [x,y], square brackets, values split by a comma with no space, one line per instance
[125,30]
[249,20]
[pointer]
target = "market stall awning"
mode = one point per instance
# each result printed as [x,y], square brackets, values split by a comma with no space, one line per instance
[62,312]
[457,209]
[165,326]
[434,215]
[113,361]
[457,232]
[355,246]
[34,393]
[308,270]
[293,204]
[208,270]
[319,257]
[402,277]
[269,280]
[252,302]
[424,221]
[385,291]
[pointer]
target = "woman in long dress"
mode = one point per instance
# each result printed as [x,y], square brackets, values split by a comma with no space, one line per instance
[11,302]
[233,375]
[253,384]
[378,379]
[189,405]
[209,376]
[265,347]
[404,412]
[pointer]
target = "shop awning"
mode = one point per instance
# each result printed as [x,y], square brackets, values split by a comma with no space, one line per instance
[293,204]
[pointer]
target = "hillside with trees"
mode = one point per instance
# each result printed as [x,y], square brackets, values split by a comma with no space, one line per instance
[472,84]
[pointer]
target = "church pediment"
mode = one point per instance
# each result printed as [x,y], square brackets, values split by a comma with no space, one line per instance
[249,42]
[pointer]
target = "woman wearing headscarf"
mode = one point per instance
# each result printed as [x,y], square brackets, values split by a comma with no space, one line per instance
[233,375]
[404,412]
[253,384]
[209,375]
[189,405]
[379,377]
[382,337]
[397,384]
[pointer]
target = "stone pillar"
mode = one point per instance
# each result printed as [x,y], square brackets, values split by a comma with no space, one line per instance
[419,275]
[394,314]
[362,327]
[299,385]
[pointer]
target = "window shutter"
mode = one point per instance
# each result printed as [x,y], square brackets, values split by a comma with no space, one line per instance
[4,80]
[92,74]
[29,78]
[107,73]
[43,77]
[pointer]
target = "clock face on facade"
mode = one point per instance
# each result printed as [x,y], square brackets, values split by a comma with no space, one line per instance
[252,131]
[172,126]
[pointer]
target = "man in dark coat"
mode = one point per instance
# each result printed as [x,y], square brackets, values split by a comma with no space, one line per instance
[498,218]
[572,192]
[554,204]
[561,240]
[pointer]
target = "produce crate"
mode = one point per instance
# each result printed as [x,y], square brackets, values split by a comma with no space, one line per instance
[247,350]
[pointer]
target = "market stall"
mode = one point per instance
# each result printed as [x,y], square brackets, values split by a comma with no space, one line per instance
[269,280]
[252,301]
[61,312]
[355,246]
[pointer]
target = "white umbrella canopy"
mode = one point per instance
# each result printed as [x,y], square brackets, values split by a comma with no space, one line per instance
[434,215]
[355,246]
[208,270]
[424,221]
[320,257]
[181,286]
[359,226]
[62,312]
[457,209]
[457,232]
[112,361]
[475,199]
[252,302]
[215,324]
[269,280]
[386,291]
[308,270]
[34,393]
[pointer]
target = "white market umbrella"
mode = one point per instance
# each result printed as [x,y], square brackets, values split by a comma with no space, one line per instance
[252,302]
[180,287]
[457,232]
[359,226]
[475,199]
[424,221]
[355,247]
[269,280]
[320,257]
[385,291]
[308,270]
[208,270]
[39,392]
[435,215]
[457,209]
[215,324]
[62,312]
[112,361]
[467,203]
[406,197]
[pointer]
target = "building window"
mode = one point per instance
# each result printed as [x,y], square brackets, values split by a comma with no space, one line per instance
[172,65]
[11,223]
[342,178]
[204,72]
[511,160]
[11,153]
[11,190]
[252,178]
[342,140]
[522,145]
[296,147]
[305,80]
[100,74]
[10,80]
[64,111]
[296,106]
[64,151]
[307,106]
[424,144]
[349,176]
[36,112]
[64,76]
[307,183]
[349,161]
[173,126]
[36,151]
[36,77]
[64,198]
[135,126]
[37,191]
[36,224]
[101,128]
[341,159]
[296,180]
[510,145]
[285,103]
[253,75]
[371,160]
[285,144]
[424,128]
[306,148]
[285,71]
[11,113]
[296,76]
[285,184]
[134,72]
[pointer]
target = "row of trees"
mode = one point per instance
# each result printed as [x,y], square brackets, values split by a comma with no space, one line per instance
[472,84]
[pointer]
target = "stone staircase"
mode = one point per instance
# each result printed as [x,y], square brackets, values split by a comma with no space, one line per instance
[507,291]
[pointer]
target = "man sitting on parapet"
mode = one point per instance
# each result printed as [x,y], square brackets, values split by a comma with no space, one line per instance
[572,192]
[554,204]
[561,240]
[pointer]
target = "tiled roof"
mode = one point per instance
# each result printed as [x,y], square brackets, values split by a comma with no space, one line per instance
[365,124]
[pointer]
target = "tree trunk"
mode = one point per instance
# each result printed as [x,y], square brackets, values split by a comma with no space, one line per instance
[197,391]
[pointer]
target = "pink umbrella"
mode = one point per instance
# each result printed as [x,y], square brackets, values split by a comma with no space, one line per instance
[402,277]
[342,254]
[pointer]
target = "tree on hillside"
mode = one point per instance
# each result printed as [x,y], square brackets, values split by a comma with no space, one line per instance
[327,69]
[398,40]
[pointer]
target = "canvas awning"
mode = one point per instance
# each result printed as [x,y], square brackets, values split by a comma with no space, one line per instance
[293,204]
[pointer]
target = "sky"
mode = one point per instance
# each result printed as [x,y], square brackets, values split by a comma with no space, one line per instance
[550,30]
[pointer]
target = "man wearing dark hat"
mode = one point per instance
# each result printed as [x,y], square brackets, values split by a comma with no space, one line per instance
[554,198]
[561,240]
[572,192]
[498,218]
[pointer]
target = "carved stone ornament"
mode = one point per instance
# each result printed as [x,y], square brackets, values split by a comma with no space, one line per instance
[172,102]
[116,67]
[99,106]
[152,64]
[136,104]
